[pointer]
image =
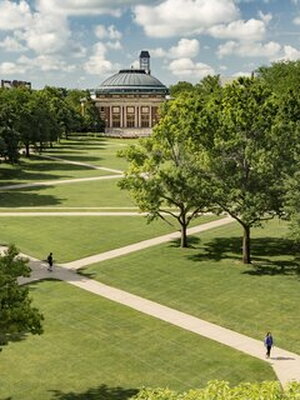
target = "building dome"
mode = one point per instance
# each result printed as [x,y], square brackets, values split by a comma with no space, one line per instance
[132,80]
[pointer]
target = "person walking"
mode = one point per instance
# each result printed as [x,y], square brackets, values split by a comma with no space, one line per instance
[268,343]
[50,262]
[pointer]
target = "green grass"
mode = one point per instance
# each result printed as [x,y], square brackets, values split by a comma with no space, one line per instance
[36,169]
[209,281]
[104,193]
[108,351]
[71,238]
[97,151]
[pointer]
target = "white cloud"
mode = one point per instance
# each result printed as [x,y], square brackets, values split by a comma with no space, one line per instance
[185,48]
[47,34]
[12,45]
[45,63]
[110,33]
[97,64]
[86,7]
[114,45]
[187,68]
[14,15]
[240,73]
[266,18]
[290,53]
[10,68]
[248,49]
[253,29]
[184,17]
[296,21]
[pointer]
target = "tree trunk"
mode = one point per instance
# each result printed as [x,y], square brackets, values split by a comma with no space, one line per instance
[246,245]
[27,150]
[183,241]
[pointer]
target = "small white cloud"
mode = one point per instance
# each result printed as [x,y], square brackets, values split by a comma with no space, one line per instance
[266,18]
[107,33]
[45,63]
[296,21]
[290,53]
[240,73]
[114,45]
[250,30]
[10,68]
[184,17]
[185,48]
[12,45]
[97,64]
[248,49]
[187,68]
[14,15]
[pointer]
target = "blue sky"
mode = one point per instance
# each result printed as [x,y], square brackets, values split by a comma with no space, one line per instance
[78,43]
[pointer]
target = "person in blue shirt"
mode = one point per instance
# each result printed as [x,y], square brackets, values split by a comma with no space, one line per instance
[268,343]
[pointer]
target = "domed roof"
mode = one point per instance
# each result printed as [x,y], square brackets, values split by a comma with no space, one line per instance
[132,80]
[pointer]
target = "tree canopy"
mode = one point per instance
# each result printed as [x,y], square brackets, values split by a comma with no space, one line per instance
[17,315]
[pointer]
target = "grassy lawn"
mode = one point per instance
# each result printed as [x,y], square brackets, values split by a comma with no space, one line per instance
[104,193]
[36,169]
[108,351]
[71,238]
[209,281]
[97,151]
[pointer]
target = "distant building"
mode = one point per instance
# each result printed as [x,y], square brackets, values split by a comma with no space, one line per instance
[129,101]
[14,84]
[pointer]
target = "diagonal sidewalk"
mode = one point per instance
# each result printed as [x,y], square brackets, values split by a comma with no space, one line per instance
[285,364]
[58,182]
[117,171]
[83,262]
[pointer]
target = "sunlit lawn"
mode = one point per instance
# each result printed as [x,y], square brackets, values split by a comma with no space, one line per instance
[92,345]
[97,151]
[71,238]
[37,169]
[209,281]
[100,193]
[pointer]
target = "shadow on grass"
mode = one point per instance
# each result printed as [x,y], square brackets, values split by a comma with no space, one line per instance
[261,249]
[86,274]
[102,392]
[24,198]
[193,242]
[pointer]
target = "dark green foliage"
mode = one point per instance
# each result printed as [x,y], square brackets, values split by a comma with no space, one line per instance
[181,87]
[163,170]
[17,316]
[221,390]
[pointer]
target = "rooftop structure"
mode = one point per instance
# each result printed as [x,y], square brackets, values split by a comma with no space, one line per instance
[129,101]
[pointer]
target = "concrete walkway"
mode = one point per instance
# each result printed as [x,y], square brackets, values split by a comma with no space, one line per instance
[59,182]
[73,214]
[286,364]
[83,262]
[78,163]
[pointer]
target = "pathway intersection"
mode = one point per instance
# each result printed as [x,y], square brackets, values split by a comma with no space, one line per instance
[286,365]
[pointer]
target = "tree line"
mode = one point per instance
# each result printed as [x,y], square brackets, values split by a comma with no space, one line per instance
[36,118]
[231,149]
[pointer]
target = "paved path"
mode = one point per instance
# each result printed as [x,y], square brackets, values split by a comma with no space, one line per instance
[286,365]
[74,265]
[58,182]
[78,163]
[73,214]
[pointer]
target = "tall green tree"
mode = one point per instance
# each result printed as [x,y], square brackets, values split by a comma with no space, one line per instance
[17,315]
[163,176]
[9,134]
[249,147]
[181,87]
